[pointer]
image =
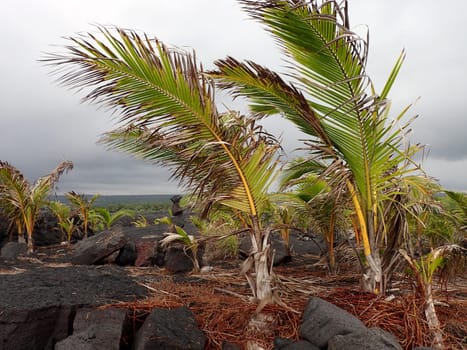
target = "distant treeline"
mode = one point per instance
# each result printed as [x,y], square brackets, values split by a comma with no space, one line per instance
[124,200]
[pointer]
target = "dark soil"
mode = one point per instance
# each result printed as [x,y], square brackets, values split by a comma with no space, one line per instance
[37,286]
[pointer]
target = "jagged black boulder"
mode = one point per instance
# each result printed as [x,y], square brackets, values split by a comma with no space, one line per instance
[368,339]
[94,249]
[322,321]
[12,250]
[96,329]
[38,304]
[170,329]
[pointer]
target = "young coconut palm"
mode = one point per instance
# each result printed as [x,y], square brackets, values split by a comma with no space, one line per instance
[104,219]
[452,259]
[65,222]
[84,207]
[24,199]
[169,117]
[176,233]
[309,195]
[333,101]
[435,252]
[10,212]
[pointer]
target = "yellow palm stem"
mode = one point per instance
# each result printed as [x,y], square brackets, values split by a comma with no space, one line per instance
[361,219]
[356,230]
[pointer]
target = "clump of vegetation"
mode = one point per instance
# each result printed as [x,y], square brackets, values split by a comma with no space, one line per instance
[83,205]
[141,221]
[103,218]
[66,222]
[82,215]
[176,233]
[21,200]
[221,230]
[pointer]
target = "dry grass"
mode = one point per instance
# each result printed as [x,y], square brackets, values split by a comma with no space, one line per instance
[221,304]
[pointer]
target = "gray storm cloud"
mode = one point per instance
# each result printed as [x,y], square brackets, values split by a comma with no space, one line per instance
[43,124]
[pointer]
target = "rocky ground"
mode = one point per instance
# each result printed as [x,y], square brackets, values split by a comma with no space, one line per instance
[218,298]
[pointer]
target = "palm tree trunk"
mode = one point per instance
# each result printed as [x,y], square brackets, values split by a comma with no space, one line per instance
[261,322]
[85,225]
[330,241]
[372,278]
[374,259]
[30,243]
[432,318]
[261,253]
[263,274]
[19,225]
[29,220]
[285,233]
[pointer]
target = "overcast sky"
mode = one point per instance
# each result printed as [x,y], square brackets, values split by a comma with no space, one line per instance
[43,123]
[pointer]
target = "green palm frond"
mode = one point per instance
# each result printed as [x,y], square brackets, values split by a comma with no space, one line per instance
[332,98]
[459,209]
[327,62]
[300,169]
[20,193]
[167,105]
[61,210]
[268,93]
[80,200]
[108,219]
[83,204]
[14,186]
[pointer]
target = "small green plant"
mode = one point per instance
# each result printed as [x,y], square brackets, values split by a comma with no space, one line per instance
[104,219]
[176,233]
[230,245]
[167,220]
[141,221]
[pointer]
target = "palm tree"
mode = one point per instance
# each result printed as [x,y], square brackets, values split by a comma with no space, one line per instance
[83,205]
[452,260]
[332,99]
[10,212]
[434,229]
[309,196]
[24,200]
[169,117]
[65,221]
